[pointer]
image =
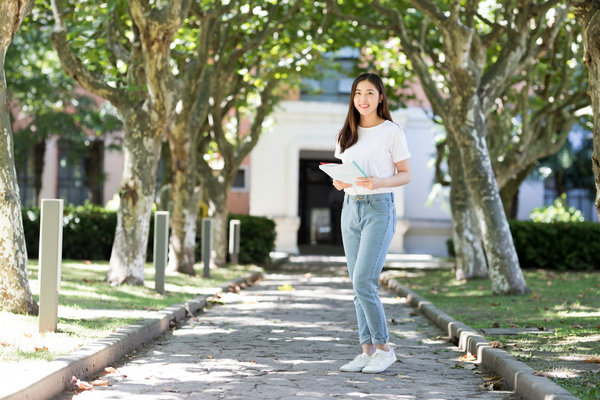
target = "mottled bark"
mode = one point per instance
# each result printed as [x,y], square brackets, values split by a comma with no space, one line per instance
[503,263]
[15,293]
[589,13]
[185,196]
[217,209]
[146,108]
[138,185]
[469,255]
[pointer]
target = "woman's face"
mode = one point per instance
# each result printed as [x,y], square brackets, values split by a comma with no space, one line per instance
[366,98]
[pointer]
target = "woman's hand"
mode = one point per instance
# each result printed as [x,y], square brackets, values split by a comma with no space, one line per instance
[339,185]
[370,183]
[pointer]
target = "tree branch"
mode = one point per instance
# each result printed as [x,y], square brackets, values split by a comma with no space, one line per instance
[73,65]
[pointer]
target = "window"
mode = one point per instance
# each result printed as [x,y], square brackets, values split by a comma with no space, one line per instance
[71,185]
[240,181]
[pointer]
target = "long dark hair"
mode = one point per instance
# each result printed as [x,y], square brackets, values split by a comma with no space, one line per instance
[348,136]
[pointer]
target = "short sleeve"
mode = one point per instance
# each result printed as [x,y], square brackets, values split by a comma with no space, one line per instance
[399,146]
[337,153]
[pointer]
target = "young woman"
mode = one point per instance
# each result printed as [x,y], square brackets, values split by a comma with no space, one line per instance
[378,146]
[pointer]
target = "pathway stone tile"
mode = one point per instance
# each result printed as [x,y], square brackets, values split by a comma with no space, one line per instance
[285,338]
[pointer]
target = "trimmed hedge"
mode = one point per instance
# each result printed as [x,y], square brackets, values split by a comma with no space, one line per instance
[257,239]
[557,245]
[88,234]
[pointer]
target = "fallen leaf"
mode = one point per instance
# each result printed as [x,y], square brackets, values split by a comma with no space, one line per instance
[285,288]
[578,326]
[494,304]
[81,385]
[379,379]
[99,382]
[593,359]
[414,313]
[38,349]
[496,344]
[166,389]
[209,357]
[467,357]
[27,335]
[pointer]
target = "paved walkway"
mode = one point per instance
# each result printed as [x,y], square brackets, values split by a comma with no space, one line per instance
[285,338]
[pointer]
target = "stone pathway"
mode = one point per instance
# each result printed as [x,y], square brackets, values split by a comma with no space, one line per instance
[285,338]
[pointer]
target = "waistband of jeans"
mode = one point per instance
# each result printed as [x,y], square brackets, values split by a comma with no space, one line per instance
[370,197]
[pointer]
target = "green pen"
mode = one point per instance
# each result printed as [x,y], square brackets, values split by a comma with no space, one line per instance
[360,169]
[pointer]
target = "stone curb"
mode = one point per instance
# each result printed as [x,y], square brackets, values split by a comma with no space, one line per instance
[519,377]
[96,356]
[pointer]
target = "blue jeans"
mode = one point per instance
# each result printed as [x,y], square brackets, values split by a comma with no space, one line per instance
[368,225]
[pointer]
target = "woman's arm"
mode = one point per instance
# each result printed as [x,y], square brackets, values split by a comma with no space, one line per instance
[402,177]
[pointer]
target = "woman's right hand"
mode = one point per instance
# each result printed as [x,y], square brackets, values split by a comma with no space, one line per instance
[339,185]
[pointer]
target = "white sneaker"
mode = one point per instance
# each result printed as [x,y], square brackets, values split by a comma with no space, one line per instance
[356,365]
[380,361]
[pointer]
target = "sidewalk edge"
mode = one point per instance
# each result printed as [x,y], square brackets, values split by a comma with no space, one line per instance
[516,374]
[97,355]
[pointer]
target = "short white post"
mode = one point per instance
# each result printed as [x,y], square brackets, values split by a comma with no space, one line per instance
[206,246]
[234,241]
[161,249]
[50,260]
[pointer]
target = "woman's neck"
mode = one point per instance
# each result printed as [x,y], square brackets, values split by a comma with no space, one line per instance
[370,121]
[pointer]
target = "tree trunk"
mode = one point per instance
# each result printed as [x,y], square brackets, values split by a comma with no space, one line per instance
[509,193]
[15,294]
[185,196]
[589,12]
[469,255]
[219,216]
[504,270]
[138,185]
[217,209]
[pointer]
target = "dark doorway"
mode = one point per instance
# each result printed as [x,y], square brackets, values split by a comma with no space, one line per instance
[319,207]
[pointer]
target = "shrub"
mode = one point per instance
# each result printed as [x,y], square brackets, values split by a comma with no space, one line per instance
[257,238]
[557,245]
[88,234]
[557,212]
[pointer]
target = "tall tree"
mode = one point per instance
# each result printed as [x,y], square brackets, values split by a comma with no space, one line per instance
[588,13]
[462,82]
[121,52]
[15,294]
[243,54]
[212,52]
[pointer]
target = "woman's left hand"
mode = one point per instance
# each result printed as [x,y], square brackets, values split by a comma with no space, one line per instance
[370,183]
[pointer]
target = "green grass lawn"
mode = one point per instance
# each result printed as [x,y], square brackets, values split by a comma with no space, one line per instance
[90,309]
[564,303]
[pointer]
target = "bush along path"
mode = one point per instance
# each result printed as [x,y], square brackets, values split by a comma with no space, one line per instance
[62,373]
[284,338]
[519,377]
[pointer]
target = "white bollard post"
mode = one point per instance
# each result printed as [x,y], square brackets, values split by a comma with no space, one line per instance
[234,241]
[206,246]
[50,260]
[161,249]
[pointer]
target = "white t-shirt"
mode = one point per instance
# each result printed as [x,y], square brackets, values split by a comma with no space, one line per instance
[377,150]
